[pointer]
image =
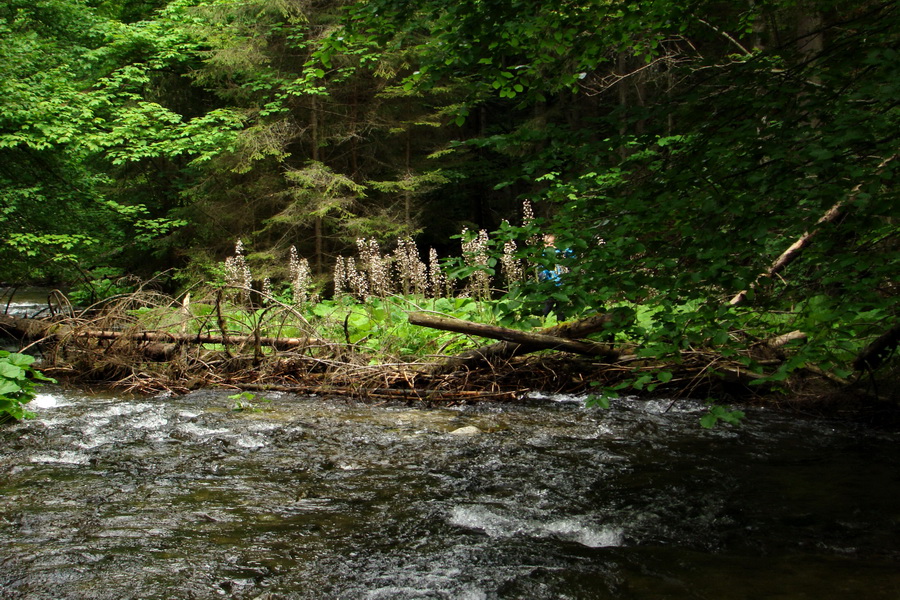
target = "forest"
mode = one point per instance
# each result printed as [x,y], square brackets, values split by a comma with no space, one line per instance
[720,177]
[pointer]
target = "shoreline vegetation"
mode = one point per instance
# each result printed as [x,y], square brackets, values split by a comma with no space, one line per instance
[713,185]
[383,336]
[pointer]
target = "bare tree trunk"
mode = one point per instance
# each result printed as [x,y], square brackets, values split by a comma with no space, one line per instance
[319,252]
[407,194]
[811,40]
[759,30]
[622,66]
[354,141]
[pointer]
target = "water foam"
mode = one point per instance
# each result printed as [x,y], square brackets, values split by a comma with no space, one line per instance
[66,457]
[197,430]
[46,401]
[495,525]
[562,398]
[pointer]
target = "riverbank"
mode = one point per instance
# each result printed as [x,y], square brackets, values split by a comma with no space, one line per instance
[150,343]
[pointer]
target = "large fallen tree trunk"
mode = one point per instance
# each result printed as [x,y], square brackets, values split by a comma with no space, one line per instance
[199,338]
[560,337]
[35,329]
[27,329]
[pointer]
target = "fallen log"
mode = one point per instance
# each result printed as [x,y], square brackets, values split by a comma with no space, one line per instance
[27,329]
[197,338]
[514,342]
[35,329]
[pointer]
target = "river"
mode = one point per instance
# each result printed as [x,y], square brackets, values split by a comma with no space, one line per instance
[26,301]
[105,497]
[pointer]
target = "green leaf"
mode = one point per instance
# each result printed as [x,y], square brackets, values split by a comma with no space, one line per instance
[597,401]
[11,371]
[20,360]
[641,381]
[9,387]
[709,421]
[720,413]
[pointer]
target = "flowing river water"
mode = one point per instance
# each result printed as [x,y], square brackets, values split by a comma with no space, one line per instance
[184,497]
[313,498]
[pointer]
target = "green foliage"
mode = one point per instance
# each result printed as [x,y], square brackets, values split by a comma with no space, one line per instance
[380,327]
[676,148]
[719,413]
[245,402]
[601,400]
[676,200]
[72,82]
[101,283]
[18,380]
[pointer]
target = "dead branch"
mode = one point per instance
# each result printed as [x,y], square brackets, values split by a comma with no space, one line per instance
[36,329]
[784,339]
[514,342]
[796,249]
[875,353]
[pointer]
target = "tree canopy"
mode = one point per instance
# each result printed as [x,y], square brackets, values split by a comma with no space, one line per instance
[677,148]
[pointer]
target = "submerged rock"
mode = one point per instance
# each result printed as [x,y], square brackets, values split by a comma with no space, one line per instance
[468,430]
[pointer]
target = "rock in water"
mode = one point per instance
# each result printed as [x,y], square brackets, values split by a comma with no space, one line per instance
[468,430]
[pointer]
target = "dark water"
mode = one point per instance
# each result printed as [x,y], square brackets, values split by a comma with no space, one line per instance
[22,302]
[27,302]
[182,497]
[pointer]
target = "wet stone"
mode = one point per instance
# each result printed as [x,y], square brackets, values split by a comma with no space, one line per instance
[467,430]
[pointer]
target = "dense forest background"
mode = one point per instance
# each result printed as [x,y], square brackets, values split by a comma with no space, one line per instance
[676,148]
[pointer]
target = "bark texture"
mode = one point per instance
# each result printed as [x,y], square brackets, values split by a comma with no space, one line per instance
[563,337]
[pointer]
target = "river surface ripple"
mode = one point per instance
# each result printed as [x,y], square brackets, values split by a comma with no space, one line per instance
[309,498]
